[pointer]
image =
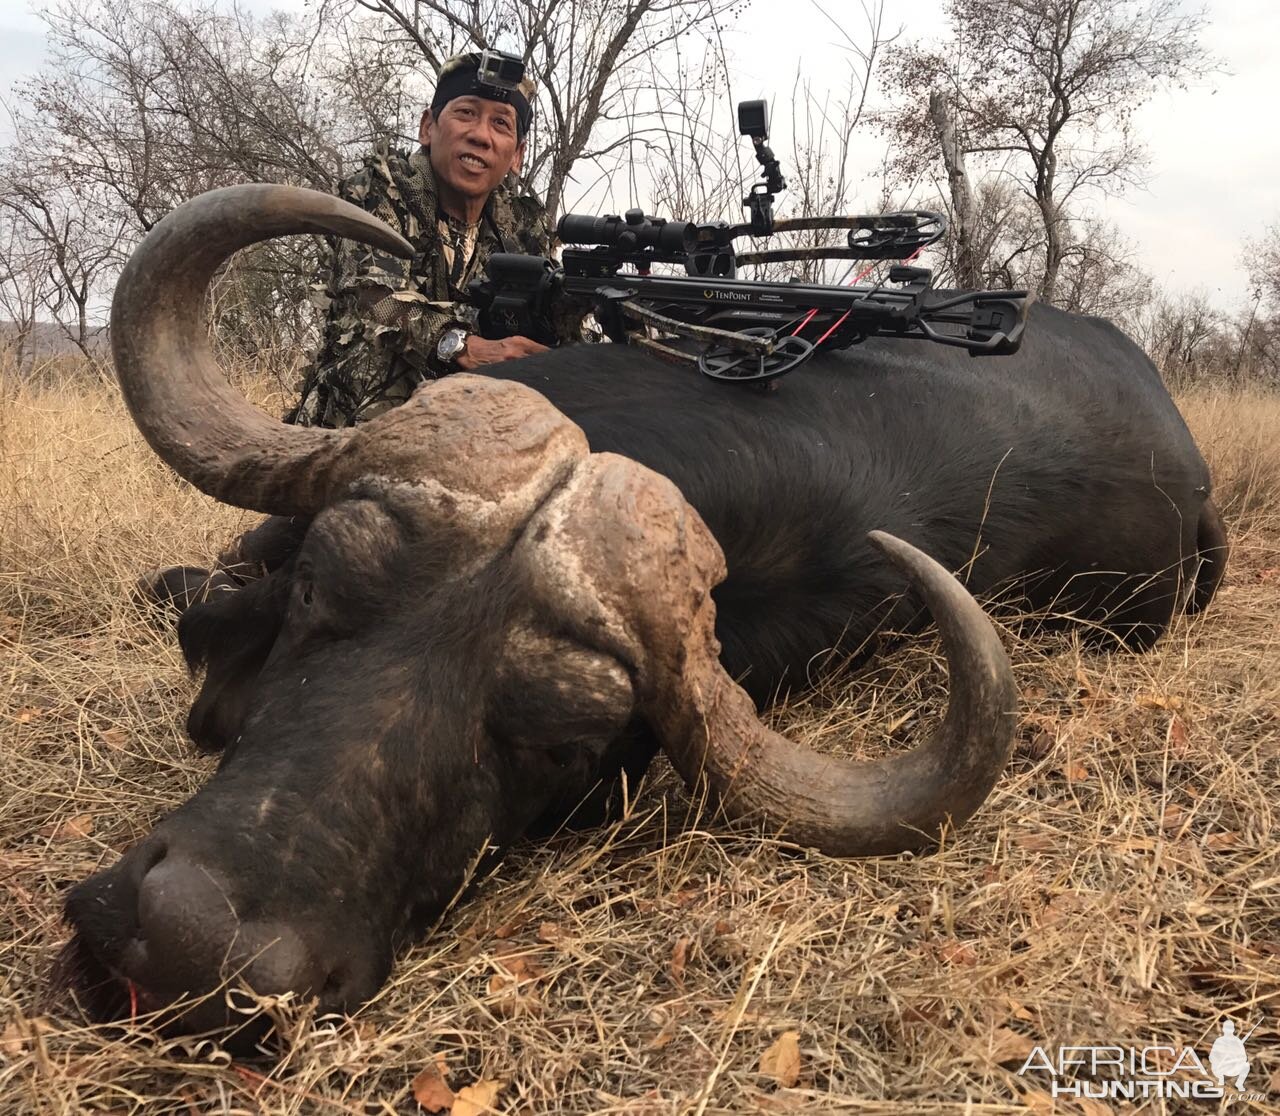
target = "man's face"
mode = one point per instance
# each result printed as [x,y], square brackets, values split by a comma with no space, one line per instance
[473,144]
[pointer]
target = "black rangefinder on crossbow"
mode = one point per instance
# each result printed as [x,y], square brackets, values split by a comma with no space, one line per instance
[739,330]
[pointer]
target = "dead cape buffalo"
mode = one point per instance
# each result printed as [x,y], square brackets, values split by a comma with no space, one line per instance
[486,619]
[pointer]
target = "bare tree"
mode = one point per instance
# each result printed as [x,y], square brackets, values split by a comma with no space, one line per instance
[1185,335]
[694,157]
[1098,274]
[143,105]
[1262,259]
[1044,91]
[76,242]
[154,102]
[959,189]
[24,284]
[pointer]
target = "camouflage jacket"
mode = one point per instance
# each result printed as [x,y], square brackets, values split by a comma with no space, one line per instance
[385,315]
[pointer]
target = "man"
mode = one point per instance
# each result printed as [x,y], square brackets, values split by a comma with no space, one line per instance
[1227,1058]
[392,323]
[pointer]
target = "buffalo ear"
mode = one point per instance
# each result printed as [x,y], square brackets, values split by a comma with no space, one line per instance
[230,636]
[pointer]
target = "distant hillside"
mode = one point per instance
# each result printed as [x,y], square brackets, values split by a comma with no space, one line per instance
[49,339]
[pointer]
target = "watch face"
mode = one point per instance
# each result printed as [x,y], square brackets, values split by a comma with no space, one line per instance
[451,345]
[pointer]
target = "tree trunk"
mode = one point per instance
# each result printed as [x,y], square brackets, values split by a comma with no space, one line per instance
[961,192]
[1046,178]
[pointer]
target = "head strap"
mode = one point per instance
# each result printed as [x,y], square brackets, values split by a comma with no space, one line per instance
[492,75]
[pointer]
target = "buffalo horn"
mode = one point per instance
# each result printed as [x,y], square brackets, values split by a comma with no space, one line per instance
[863,808]
[179,397]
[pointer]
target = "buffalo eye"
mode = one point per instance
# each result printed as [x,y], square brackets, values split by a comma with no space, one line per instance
[304,596]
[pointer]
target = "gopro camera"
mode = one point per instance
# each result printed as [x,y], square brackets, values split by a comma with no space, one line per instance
[500,71]
[753,119]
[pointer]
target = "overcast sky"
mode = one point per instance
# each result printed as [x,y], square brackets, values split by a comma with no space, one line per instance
[1215,149]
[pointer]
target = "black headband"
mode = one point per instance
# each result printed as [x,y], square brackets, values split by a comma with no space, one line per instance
[464,82]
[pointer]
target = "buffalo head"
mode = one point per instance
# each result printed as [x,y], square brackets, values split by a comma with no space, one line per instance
[482,613]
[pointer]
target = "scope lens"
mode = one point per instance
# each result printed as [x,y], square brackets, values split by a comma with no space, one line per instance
[582,228]
[676,236]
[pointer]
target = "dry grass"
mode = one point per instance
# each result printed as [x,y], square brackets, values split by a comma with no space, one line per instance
[1121,886]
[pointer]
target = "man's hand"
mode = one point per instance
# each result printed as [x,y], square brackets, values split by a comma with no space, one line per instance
[480,351]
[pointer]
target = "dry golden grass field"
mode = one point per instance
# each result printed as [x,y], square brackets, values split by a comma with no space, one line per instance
[1120,887]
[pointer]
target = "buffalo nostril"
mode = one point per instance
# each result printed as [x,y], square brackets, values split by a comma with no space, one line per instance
[279,961]
[338,990]
[187,923]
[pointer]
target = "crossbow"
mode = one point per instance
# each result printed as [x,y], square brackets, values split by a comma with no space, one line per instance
[743,330]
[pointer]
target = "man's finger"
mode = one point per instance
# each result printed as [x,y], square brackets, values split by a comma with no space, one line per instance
[526,346]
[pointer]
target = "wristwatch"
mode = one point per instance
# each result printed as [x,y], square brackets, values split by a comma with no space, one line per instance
[452,344]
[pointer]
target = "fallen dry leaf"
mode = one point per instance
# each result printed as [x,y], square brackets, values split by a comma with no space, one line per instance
[956,953]
[1178,736]
[550,932]
[1037,1101]
[507,1001]
[430,1089]
[1074,771]
[925,1012]
[781,1060]
[1159,701]
[27,714]
[521,967]
[477,1099]
[679,958]
[1017,1010]
[779,1102]
[1006,1045]
[114,738]
[12,1041]
[663,1037]
[69,828]
[1226,839]
[1038,746]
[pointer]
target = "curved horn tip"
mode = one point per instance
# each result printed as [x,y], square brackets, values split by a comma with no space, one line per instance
[361,225]
[900,552]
